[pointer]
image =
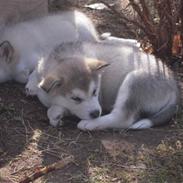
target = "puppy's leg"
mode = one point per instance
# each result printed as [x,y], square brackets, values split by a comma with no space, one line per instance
[120,117]
[112,120]
[55,114]
[31,86]
[142,124]
[142,102]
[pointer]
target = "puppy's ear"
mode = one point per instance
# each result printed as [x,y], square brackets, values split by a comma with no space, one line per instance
[96,65]
[6,51]
[50,82]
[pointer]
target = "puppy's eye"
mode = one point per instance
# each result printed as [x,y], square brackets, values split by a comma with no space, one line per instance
[77,99]
[94,92]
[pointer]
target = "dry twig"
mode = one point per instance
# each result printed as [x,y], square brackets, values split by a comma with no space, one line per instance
[159,27]
[45,170]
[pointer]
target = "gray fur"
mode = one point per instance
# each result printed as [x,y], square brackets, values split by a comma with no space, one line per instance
[152,80]
[137,89]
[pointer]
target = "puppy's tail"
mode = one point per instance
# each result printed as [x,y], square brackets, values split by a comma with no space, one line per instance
[160,118]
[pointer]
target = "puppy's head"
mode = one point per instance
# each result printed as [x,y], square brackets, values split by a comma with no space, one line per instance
[74,83]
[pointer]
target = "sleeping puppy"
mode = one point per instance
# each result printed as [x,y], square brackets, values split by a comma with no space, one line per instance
[134,89]
[23,44]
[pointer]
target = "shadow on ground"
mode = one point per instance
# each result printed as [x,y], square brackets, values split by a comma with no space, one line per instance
[28,142]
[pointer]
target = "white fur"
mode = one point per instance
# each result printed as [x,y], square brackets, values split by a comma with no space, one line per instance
[55,115]
[107,38]
[33,39]
[112,120]
[142,124]
[31,87]
[128,66]
[82,110]
[100,123]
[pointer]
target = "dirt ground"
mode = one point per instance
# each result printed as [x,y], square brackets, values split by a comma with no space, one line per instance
[27,142]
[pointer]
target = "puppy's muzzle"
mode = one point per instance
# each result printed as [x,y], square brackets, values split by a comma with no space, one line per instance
[95,114]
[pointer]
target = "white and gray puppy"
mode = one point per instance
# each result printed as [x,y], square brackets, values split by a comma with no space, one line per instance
[135,89]
[22,44]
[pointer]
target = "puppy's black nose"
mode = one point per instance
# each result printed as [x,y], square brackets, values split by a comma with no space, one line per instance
[95,114]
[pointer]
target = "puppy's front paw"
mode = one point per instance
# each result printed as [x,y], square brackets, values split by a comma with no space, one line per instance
[29,91]
[56,122]
[55,115]
[86,125]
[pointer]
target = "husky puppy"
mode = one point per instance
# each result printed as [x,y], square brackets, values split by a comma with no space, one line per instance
[22,44]
[134,89]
